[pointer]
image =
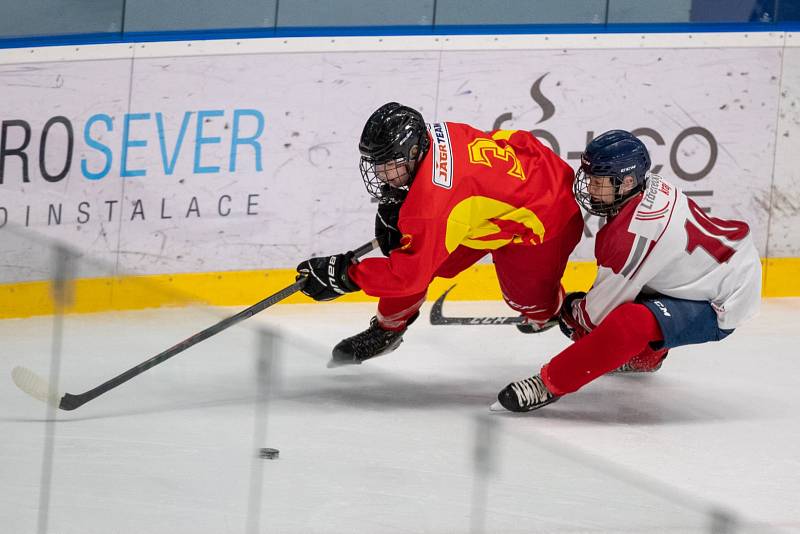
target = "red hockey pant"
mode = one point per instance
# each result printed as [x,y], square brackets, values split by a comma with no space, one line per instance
[529,276]
[626,332]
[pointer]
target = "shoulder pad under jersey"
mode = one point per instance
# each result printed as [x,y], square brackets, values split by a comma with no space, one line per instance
[654,209]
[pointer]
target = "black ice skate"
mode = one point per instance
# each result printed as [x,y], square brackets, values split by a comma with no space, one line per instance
[524,396]
[372,342]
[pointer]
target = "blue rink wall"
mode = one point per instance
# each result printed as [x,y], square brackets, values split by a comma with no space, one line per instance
[212,166]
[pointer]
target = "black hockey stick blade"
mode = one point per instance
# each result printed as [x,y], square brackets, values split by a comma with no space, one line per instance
[437,317]
[38,388]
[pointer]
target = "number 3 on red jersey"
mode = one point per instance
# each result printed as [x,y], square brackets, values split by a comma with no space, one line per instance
[481,148]
[731,230]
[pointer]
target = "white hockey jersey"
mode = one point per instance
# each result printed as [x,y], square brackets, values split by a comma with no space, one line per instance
[664,243]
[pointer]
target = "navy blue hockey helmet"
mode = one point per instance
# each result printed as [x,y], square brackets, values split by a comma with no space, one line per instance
[394,140]
[615,154]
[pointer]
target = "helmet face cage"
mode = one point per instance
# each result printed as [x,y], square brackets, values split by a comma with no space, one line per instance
[595,206]
[379,176]
[394,139]
[615,154]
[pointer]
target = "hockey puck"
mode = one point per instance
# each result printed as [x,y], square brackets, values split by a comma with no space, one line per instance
[268,454]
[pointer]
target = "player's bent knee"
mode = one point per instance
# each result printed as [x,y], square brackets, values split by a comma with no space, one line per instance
[636,321]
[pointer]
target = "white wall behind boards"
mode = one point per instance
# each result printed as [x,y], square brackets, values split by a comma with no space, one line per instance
[784,238]
[211,160]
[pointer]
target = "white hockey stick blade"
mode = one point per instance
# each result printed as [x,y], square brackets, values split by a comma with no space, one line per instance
[35,386]
[497,407]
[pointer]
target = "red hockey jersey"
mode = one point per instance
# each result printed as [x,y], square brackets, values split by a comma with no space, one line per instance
[477,189]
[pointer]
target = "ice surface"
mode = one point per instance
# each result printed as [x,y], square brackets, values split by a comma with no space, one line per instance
[390,446]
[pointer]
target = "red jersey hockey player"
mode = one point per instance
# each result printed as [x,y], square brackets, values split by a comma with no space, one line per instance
[449,194]
[668,275]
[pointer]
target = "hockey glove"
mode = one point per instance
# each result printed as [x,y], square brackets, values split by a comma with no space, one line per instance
[386,230]
[327,278]
[569,326]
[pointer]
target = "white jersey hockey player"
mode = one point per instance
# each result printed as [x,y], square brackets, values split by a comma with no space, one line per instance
[668,275]
[665,245]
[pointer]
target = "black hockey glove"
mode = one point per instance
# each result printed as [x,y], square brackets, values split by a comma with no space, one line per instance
[327,278]
[386,231]
[569,326]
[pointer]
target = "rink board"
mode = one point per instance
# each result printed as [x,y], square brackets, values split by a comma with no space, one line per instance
[213,164]
[243,288]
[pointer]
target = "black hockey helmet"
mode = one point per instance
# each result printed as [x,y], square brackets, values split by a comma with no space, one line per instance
[393,142]
[616,154]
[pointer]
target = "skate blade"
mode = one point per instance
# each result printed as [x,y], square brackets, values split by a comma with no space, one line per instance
[336,363]
[497,407]
[340,363]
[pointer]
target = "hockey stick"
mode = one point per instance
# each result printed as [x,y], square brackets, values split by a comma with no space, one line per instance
[438,318]
[38,388]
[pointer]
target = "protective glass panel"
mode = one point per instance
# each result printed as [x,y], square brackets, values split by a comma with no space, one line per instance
[247,430]
[56,17]
[153,15]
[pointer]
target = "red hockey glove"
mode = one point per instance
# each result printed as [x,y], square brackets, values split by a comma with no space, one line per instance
[569,326]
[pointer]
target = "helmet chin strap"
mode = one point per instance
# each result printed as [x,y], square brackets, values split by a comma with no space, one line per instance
[618,194]
[411,166]
[621,199]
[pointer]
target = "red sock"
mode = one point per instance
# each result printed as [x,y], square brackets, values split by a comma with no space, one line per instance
[623,334]
[396,313]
